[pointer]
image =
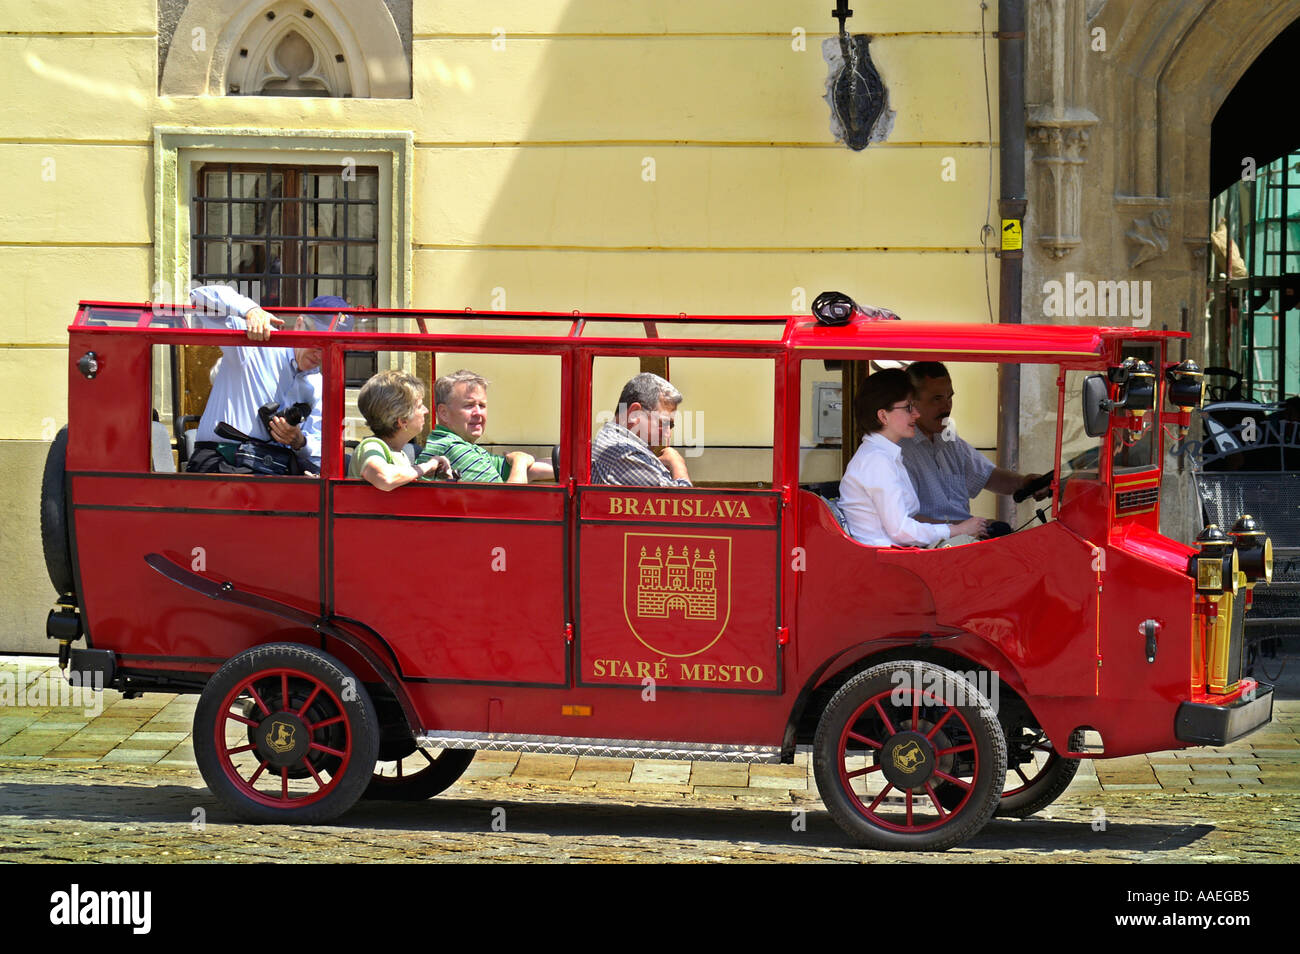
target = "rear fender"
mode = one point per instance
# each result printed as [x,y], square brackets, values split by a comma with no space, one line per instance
[363,642]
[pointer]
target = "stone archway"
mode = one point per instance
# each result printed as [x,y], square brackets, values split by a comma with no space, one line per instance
[1120,97]
[1145,104]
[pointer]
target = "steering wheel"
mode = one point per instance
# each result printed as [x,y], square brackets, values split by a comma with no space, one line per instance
[1214,393]
[555,460]
[1033,487]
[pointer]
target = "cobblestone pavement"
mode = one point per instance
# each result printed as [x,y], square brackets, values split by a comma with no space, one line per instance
[120,785]
[58,812]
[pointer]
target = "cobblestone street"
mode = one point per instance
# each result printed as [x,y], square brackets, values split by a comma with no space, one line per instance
[58,812]
[121,785]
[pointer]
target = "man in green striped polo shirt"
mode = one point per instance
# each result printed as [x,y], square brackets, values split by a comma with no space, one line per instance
[460,405]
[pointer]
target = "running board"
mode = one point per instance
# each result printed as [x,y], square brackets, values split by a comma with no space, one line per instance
[604,748]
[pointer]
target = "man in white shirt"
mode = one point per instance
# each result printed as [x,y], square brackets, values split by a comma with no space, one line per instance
[250,377]
[947,471]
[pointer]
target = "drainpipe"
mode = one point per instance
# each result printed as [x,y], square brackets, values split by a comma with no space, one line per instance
[1011,207]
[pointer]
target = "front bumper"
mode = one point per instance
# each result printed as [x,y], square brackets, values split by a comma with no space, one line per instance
[92,661]
[1200,723]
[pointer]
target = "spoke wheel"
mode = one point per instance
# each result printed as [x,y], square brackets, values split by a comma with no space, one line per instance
[285,733]
[909,756]
[418,775]
[1037,781]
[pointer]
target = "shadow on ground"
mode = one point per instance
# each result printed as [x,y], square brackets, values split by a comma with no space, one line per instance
[164,804]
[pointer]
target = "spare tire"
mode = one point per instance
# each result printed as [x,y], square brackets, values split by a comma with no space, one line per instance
[54,516]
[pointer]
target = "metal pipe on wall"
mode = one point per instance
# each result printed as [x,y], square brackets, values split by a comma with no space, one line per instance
[1011,208]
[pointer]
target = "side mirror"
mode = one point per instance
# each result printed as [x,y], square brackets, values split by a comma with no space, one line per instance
[1096,405]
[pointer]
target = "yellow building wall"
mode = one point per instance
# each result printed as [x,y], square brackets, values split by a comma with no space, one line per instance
[569,154]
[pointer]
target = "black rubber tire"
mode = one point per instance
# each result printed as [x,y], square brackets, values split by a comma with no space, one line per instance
[55,539]
[350,699]
[435,778]
[1043,789]
[956,694]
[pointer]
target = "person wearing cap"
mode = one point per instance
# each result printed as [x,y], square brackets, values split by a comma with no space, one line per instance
[250,377]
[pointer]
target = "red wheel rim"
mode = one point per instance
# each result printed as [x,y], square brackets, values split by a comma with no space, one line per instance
[401,773]
[1026,780]
[304,703]
[880,719]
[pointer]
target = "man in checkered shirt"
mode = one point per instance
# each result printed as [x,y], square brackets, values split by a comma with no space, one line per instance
[947,471]
[621,450]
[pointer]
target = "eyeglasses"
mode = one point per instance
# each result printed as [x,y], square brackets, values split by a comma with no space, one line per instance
[909,407]
[665,422]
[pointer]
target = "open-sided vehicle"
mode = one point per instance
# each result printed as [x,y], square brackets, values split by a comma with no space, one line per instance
[331,628]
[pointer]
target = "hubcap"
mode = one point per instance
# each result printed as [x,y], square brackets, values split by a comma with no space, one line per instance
[907,760]
[282,739]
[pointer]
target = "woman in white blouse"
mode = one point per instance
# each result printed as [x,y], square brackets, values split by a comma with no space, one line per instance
[876,493]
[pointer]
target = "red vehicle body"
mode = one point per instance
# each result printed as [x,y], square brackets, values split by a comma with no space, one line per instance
[780,631]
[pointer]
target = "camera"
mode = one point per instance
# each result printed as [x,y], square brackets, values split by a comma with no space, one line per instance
[294,415]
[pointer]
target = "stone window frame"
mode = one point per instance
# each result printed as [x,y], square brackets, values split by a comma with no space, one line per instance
[179,150]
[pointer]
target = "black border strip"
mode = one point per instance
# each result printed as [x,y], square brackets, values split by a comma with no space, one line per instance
[679,491]
[440,680]
[128,508]
[693,526]
[184,475]
[69,513]
[778,571]
[401,516]
[662,688]
[218,660]
[325,553]
[570,574]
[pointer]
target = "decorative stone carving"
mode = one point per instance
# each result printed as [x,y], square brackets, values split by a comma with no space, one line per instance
[287,48]
[287,64]
[290,55]
[1058,159]
[1059,126]
[1146,237]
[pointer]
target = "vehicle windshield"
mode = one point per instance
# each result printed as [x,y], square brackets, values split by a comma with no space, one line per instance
[1080,454]
[1138,449]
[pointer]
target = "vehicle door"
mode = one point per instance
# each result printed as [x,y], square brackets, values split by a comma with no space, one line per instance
[679,587]
[465,581]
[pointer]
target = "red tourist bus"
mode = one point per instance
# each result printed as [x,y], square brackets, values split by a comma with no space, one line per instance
[350,642]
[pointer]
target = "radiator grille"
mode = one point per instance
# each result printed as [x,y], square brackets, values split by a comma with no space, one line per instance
[1135,501]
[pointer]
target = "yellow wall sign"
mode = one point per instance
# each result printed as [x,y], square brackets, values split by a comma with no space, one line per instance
[1011,235]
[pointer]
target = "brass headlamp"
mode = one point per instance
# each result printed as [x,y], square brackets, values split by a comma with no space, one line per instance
[1215,567]
[1136,381]
[1185,385]
[1254,550]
